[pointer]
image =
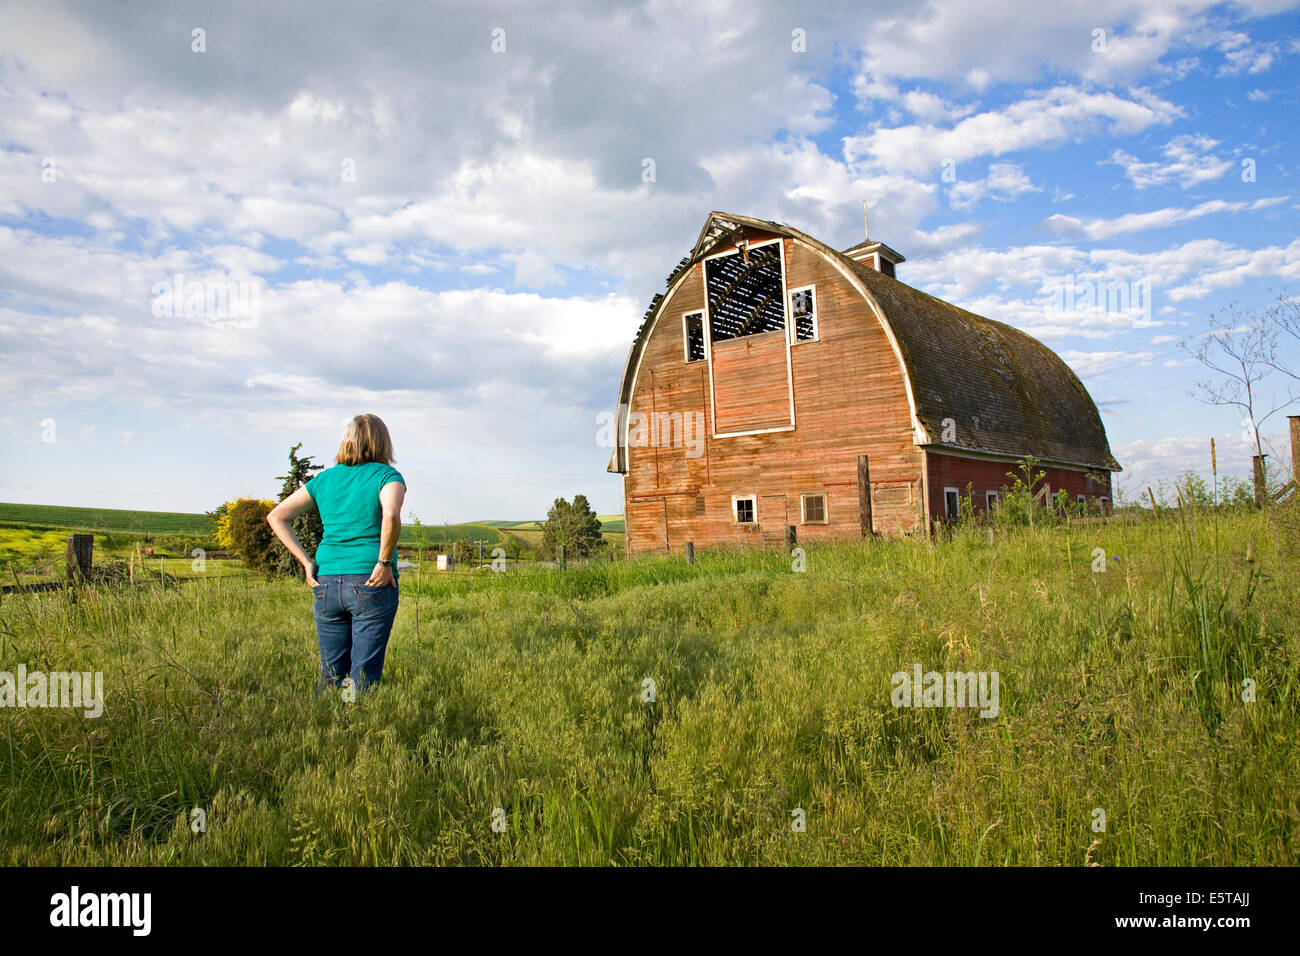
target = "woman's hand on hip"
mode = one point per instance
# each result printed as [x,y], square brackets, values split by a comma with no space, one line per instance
[381,577]
[310,572]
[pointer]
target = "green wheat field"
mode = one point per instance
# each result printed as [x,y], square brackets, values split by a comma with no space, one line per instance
[521,699]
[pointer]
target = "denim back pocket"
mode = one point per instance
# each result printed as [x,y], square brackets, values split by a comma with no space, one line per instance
[376,597]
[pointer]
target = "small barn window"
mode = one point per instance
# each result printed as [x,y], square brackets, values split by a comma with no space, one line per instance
[990,500]
[693,324]
[803,309]
[951,503]
[744,508]
[745,292]
[814,509]
[1104,504]
[1081,499]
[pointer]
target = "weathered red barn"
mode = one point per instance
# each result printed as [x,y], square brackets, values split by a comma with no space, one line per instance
[782,383]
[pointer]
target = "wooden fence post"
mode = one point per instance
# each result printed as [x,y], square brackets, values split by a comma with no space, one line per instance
[864,496]
[791,537]
[1261,487]
[560,557]
[81,548]
[690,552]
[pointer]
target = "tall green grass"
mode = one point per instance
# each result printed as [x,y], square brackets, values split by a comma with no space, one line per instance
[1121,691]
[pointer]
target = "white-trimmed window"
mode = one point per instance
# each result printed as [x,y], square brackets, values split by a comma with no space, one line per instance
[744,509]
[990,501]
[1104,503]
[952,503]
[1081,499]
[813,508]
[693,336]
[803,313]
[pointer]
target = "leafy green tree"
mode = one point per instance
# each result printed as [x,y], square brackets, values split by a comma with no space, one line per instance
[1236,492]
[420,532]
[216,514]
[307,524]
[1193,490]
[250,536]
[573,525]
[1019,500]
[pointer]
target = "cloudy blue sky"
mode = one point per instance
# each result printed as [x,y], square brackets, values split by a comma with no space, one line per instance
[442,212]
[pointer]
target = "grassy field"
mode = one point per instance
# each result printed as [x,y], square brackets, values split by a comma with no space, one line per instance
[439,534]
[33,538]
[35,555]
[607,523]
[524,695]
[105,519]
[24,546]
[533,539]
[32,534]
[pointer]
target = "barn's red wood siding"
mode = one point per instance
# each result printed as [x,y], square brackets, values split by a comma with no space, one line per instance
[950,471]
[849,400]
[751,382]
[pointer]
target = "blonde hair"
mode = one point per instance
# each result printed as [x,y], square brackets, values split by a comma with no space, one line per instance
[365,439]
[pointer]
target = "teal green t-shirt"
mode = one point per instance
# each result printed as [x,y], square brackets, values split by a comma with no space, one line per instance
[347,497]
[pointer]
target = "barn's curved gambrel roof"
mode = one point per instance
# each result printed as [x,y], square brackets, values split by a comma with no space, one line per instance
[1006,393]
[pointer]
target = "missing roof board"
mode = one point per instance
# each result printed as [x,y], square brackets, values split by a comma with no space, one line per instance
[745,297]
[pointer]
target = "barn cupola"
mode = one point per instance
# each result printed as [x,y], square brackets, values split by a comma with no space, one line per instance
[874,253]
[877,255]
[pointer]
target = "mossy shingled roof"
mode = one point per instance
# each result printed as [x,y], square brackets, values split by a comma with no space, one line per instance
[1005,391]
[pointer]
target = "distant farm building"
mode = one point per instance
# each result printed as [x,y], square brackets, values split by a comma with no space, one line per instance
[782,383]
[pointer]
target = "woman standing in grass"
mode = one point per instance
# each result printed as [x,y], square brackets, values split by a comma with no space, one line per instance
[354,575]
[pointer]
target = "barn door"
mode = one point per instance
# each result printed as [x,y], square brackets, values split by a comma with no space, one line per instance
[772,518]
[647,527]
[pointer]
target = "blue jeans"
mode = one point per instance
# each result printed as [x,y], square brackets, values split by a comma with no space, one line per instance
[352,623]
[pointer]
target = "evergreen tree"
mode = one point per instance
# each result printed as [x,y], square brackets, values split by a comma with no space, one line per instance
[307,525]
[573,525]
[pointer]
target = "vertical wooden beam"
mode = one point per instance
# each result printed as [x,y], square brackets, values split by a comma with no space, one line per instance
[1261,487]
[654,423]
[924,492]
[864,496]
[1295,449]
[81,548]
[708,468]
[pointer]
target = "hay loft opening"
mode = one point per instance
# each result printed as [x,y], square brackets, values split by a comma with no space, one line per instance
[745,292]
